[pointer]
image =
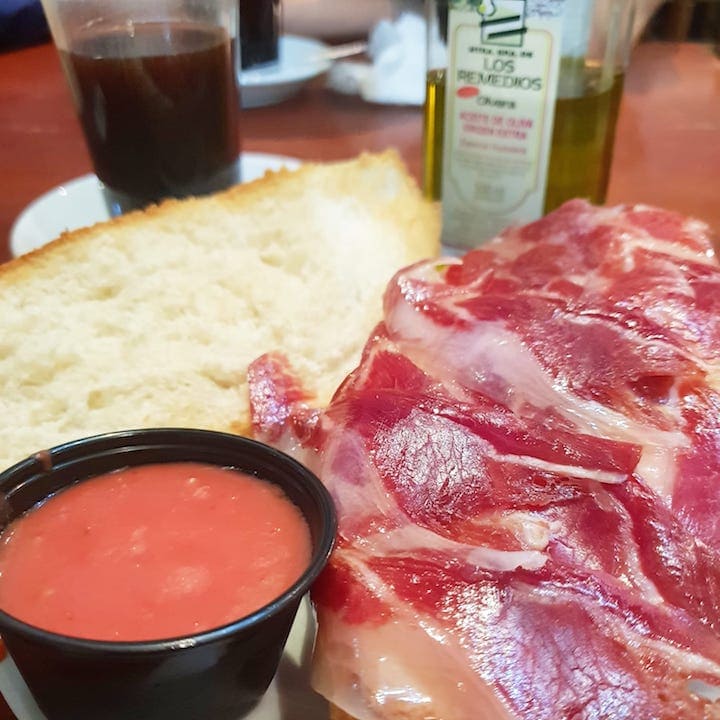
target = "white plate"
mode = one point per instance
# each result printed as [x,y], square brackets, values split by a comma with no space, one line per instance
[299,60]
[289,696]
[80,202]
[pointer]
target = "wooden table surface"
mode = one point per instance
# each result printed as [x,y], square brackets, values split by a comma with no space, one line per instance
[667,151]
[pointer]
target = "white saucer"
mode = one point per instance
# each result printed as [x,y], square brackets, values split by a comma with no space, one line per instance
[79,202]
[299,59]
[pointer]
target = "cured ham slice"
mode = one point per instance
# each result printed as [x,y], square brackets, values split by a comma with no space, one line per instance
[525,467]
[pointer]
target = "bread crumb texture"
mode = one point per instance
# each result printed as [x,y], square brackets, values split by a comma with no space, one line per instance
[151,319]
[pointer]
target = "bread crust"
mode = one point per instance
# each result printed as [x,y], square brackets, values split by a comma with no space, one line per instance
[152,318]
[238,197]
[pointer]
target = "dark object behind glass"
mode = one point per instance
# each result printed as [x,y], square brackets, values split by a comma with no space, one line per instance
[22,22]
[259,31]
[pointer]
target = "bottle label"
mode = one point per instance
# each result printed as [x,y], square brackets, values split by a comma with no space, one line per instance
[501,86]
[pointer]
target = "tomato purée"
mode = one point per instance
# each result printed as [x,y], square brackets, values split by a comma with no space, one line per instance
[152,552]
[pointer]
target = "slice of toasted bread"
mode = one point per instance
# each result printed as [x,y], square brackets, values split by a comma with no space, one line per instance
[151,319]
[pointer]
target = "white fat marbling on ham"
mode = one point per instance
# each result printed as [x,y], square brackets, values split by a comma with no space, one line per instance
[492,359]
[525,468]
[411,539]
[389,686]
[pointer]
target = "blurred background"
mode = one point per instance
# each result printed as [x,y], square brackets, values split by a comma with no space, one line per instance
[679,20]
[22,21]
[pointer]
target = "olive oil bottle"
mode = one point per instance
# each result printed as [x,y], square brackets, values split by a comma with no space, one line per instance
[433,132]
[436,14]
[521,105]
[582,141]
[581,150]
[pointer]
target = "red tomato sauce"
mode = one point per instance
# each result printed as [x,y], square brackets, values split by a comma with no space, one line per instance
[152,552]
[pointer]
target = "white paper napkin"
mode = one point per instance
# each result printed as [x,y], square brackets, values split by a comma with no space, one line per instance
[396,73]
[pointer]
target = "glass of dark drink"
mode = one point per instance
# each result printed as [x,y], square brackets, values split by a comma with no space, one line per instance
[259,32]
[155,86]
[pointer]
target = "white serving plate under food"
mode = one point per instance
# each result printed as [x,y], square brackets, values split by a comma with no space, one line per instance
[300,59]
[80,202]
[289,696]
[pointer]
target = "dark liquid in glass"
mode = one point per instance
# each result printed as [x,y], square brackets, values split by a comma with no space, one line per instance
[159,108]
[259,30]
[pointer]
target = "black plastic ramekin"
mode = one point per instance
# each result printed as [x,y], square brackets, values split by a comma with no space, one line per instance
[220,673]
